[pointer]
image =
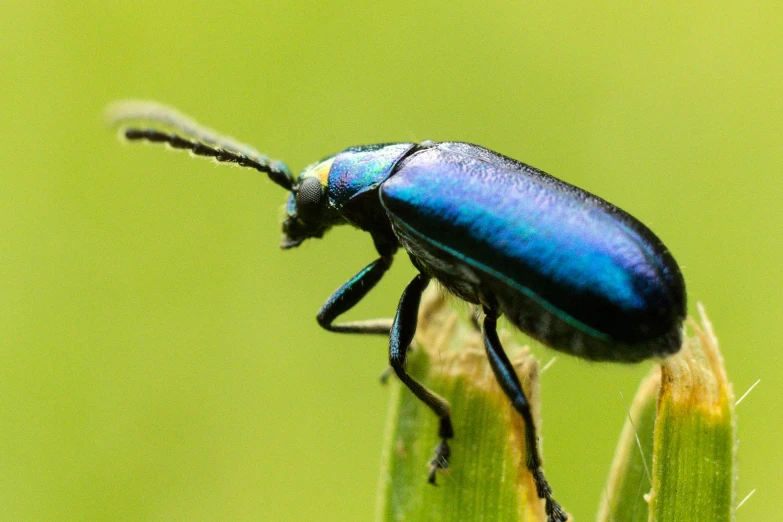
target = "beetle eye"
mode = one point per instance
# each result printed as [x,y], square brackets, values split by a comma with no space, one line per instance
[309,197]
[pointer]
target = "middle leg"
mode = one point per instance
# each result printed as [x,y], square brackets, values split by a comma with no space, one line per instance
[403,330]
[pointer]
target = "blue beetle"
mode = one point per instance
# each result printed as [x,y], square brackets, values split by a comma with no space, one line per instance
[566,267]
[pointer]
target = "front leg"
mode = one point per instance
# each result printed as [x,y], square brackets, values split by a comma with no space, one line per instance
[348,295]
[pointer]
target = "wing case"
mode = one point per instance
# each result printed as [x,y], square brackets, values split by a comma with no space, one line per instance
[562,264]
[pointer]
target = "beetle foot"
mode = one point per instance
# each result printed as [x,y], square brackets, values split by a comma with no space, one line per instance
[553,510]
[439,461]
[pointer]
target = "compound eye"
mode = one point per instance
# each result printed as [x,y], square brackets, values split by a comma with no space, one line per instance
[309,198]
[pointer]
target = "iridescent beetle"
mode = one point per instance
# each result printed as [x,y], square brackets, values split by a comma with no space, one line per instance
[566,267]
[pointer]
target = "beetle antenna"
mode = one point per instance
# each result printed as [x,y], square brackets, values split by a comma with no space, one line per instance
[158,123]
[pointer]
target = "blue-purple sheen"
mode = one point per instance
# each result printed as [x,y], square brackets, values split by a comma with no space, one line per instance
[569,249]
[290,205]
[360,169]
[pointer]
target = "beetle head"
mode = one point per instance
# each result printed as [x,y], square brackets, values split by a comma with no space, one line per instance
[308,212]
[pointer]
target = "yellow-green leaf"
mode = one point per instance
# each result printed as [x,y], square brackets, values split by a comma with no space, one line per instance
[693,459]
[676,457]
[487,479]
[630,476]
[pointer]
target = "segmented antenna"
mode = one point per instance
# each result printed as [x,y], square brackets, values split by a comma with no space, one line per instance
[189,135]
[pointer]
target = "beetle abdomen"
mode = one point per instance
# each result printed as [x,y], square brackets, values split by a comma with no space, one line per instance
[563,265]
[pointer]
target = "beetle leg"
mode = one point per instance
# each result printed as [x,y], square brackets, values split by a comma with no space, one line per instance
[401,337]
[351,293]
[509,382]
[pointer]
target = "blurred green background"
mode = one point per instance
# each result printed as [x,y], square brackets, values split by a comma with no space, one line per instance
[159,357]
